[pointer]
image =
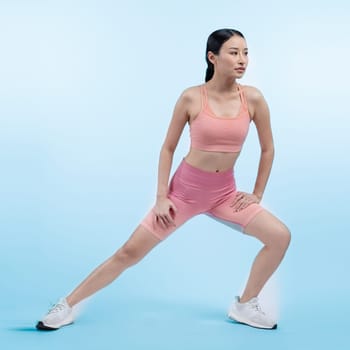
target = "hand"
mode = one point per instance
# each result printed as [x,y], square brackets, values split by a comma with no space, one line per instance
[242,200]
[164,212]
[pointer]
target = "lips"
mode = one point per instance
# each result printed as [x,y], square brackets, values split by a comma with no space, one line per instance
[240,69]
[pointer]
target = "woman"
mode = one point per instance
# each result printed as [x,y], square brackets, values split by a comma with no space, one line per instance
[219,113]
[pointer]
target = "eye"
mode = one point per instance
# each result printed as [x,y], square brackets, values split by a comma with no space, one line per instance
[234,53]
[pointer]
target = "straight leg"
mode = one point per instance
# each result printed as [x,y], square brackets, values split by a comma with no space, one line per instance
[138,245]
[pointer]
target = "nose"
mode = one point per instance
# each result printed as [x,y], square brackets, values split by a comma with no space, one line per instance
[242,59]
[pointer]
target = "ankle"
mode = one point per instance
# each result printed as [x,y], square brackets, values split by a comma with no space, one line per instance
[244,299]
[69,302]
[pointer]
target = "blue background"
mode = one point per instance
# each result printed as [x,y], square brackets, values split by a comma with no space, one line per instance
[87,90]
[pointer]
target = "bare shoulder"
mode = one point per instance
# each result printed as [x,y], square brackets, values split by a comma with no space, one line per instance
[191,94]
[191,99]
[253,94]
[257,105]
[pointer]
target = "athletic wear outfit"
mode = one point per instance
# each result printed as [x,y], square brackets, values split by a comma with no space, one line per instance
[195,191]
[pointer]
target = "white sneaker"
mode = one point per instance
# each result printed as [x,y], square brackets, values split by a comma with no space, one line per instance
[61,314]
[250,313]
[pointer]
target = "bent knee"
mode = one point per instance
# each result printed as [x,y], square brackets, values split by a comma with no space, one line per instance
[282,237]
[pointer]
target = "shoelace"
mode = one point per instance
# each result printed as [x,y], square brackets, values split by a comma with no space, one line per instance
[56,308]
[255,306]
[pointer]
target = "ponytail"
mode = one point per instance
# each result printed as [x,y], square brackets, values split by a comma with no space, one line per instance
[210,72]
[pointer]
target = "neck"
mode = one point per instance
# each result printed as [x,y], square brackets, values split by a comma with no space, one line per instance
[223,85]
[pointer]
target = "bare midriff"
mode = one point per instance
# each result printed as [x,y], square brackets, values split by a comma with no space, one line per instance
[211,161]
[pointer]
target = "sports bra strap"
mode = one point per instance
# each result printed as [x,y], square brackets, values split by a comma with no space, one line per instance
[204,96]
[242,96]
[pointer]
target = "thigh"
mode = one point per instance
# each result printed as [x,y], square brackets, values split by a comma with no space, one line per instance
[238,220]
[140,242]
[185,211]
[268,229]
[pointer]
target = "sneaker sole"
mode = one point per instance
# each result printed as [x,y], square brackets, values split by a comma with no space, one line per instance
[42,327]
[232,317]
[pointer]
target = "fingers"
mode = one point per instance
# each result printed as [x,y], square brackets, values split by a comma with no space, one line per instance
[168,218]
[242,201]
[238,199]
[164,213]
[165,221]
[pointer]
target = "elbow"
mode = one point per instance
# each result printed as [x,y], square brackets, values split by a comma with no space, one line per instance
[167,149]
[268,151]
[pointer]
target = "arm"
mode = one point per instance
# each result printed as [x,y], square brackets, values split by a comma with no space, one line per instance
[261,119]
[177,124]
[259,111]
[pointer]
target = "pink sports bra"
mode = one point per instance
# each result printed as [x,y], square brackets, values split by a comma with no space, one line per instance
[219,134]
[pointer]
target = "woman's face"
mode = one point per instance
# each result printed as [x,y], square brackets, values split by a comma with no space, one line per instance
[232,59]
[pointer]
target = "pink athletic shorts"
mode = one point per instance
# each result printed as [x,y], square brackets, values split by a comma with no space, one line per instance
[195,191]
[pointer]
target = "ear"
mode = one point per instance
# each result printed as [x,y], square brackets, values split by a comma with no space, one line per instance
[211,57]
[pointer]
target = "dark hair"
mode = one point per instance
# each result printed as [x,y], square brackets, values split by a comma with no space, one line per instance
[214,43]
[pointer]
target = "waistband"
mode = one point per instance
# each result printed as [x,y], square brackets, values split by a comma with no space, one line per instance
[203,177]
